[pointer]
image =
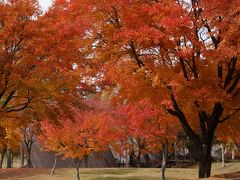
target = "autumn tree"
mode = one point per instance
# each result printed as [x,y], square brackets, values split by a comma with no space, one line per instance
[132,123]
[142,128]
[10,138]
[29,134]
[187,51]
[39,58]
[39,64]
[76,138]
[3,147]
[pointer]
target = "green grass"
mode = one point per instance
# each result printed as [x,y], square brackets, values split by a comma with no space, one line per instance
[117,173]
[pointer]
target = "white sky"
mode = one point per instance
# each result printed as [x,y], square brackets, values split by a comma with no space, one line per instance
[45,4]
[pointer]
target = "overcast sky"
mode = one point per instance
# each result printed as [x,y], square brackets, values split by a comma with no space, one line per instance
[45,3]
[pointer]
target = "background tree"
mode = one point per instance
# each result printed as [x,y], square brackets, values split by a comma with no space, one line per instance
[39,65]
[10,139]
[186,51]
[77,138]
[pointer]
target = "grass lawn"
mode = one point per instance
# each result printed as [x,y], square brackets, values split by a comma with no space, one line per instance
[114,173]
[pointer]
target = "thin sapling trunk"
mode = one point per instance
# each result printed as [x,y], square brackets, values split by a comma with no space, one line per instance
[54,165]
[164,161]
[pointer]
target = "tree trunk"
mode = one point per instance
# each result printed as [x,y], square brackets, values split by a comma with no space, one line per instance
[78,174]
[12,157]
[194,153]
[22,154]
[164,161]
[135,159]
[2,157]
[147,159]
[208,124]
[223,155]
[77,163]
[86,161]
[29,162]
[29,150]
[205,163]
[233,152]
[54,165]
[132,162]
[172,151]
[9,158]
[138,161]
[127,159]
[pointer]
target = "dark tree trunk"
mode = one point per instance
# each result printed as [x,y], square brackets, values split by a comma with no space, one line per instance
[77,163]
[86,161]
[28,145]
[208,124]
[164,161]
[22,154]
[12,156]
[172,151]
[205,163]
[54,165]
[208,128]
[135,159]
[29,163]
[138,161]
[131,159]
[147,159]
[194,153]
[9,159]
[2,157]
[78,173]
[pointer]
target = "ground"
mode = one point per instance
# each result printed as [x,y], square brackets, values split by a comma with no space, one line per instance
[231,169]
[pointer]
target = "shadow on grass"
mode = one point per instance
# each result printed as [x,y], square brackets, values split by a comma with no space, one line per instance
[110,172]
[126,178]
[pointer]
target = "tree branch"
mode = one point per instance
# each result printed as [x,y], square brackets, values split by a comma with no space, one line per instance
[9,98]
[231,69]
[180,115]
[229,116]
[136,57]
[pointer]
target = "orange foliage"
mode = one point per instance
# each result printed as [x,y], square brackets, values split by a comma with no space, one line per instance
[78,137]
[142,126]
[182,53]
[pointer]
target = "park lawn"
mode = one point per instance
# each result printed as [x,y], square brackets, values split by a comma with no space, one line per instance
[114,173]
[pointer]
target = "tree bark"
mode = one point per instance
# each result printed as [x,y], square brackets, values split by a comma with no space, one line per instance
[9,158]
[233,152]
[54,165]
[78,173]
[135,159]
[194,153]
[2,157]
[12,157]
[147,159]
[29,150]
[208,127]
[77,163]
[29,162]
[208,124]
[86,161]
[164,161]
[205,163]
[223,155]
[22,154]
[138,161]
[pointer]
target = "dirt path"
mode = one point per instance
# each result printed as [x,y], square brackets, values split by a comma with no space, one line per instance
[231,171]
[235,175]
[21,172]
